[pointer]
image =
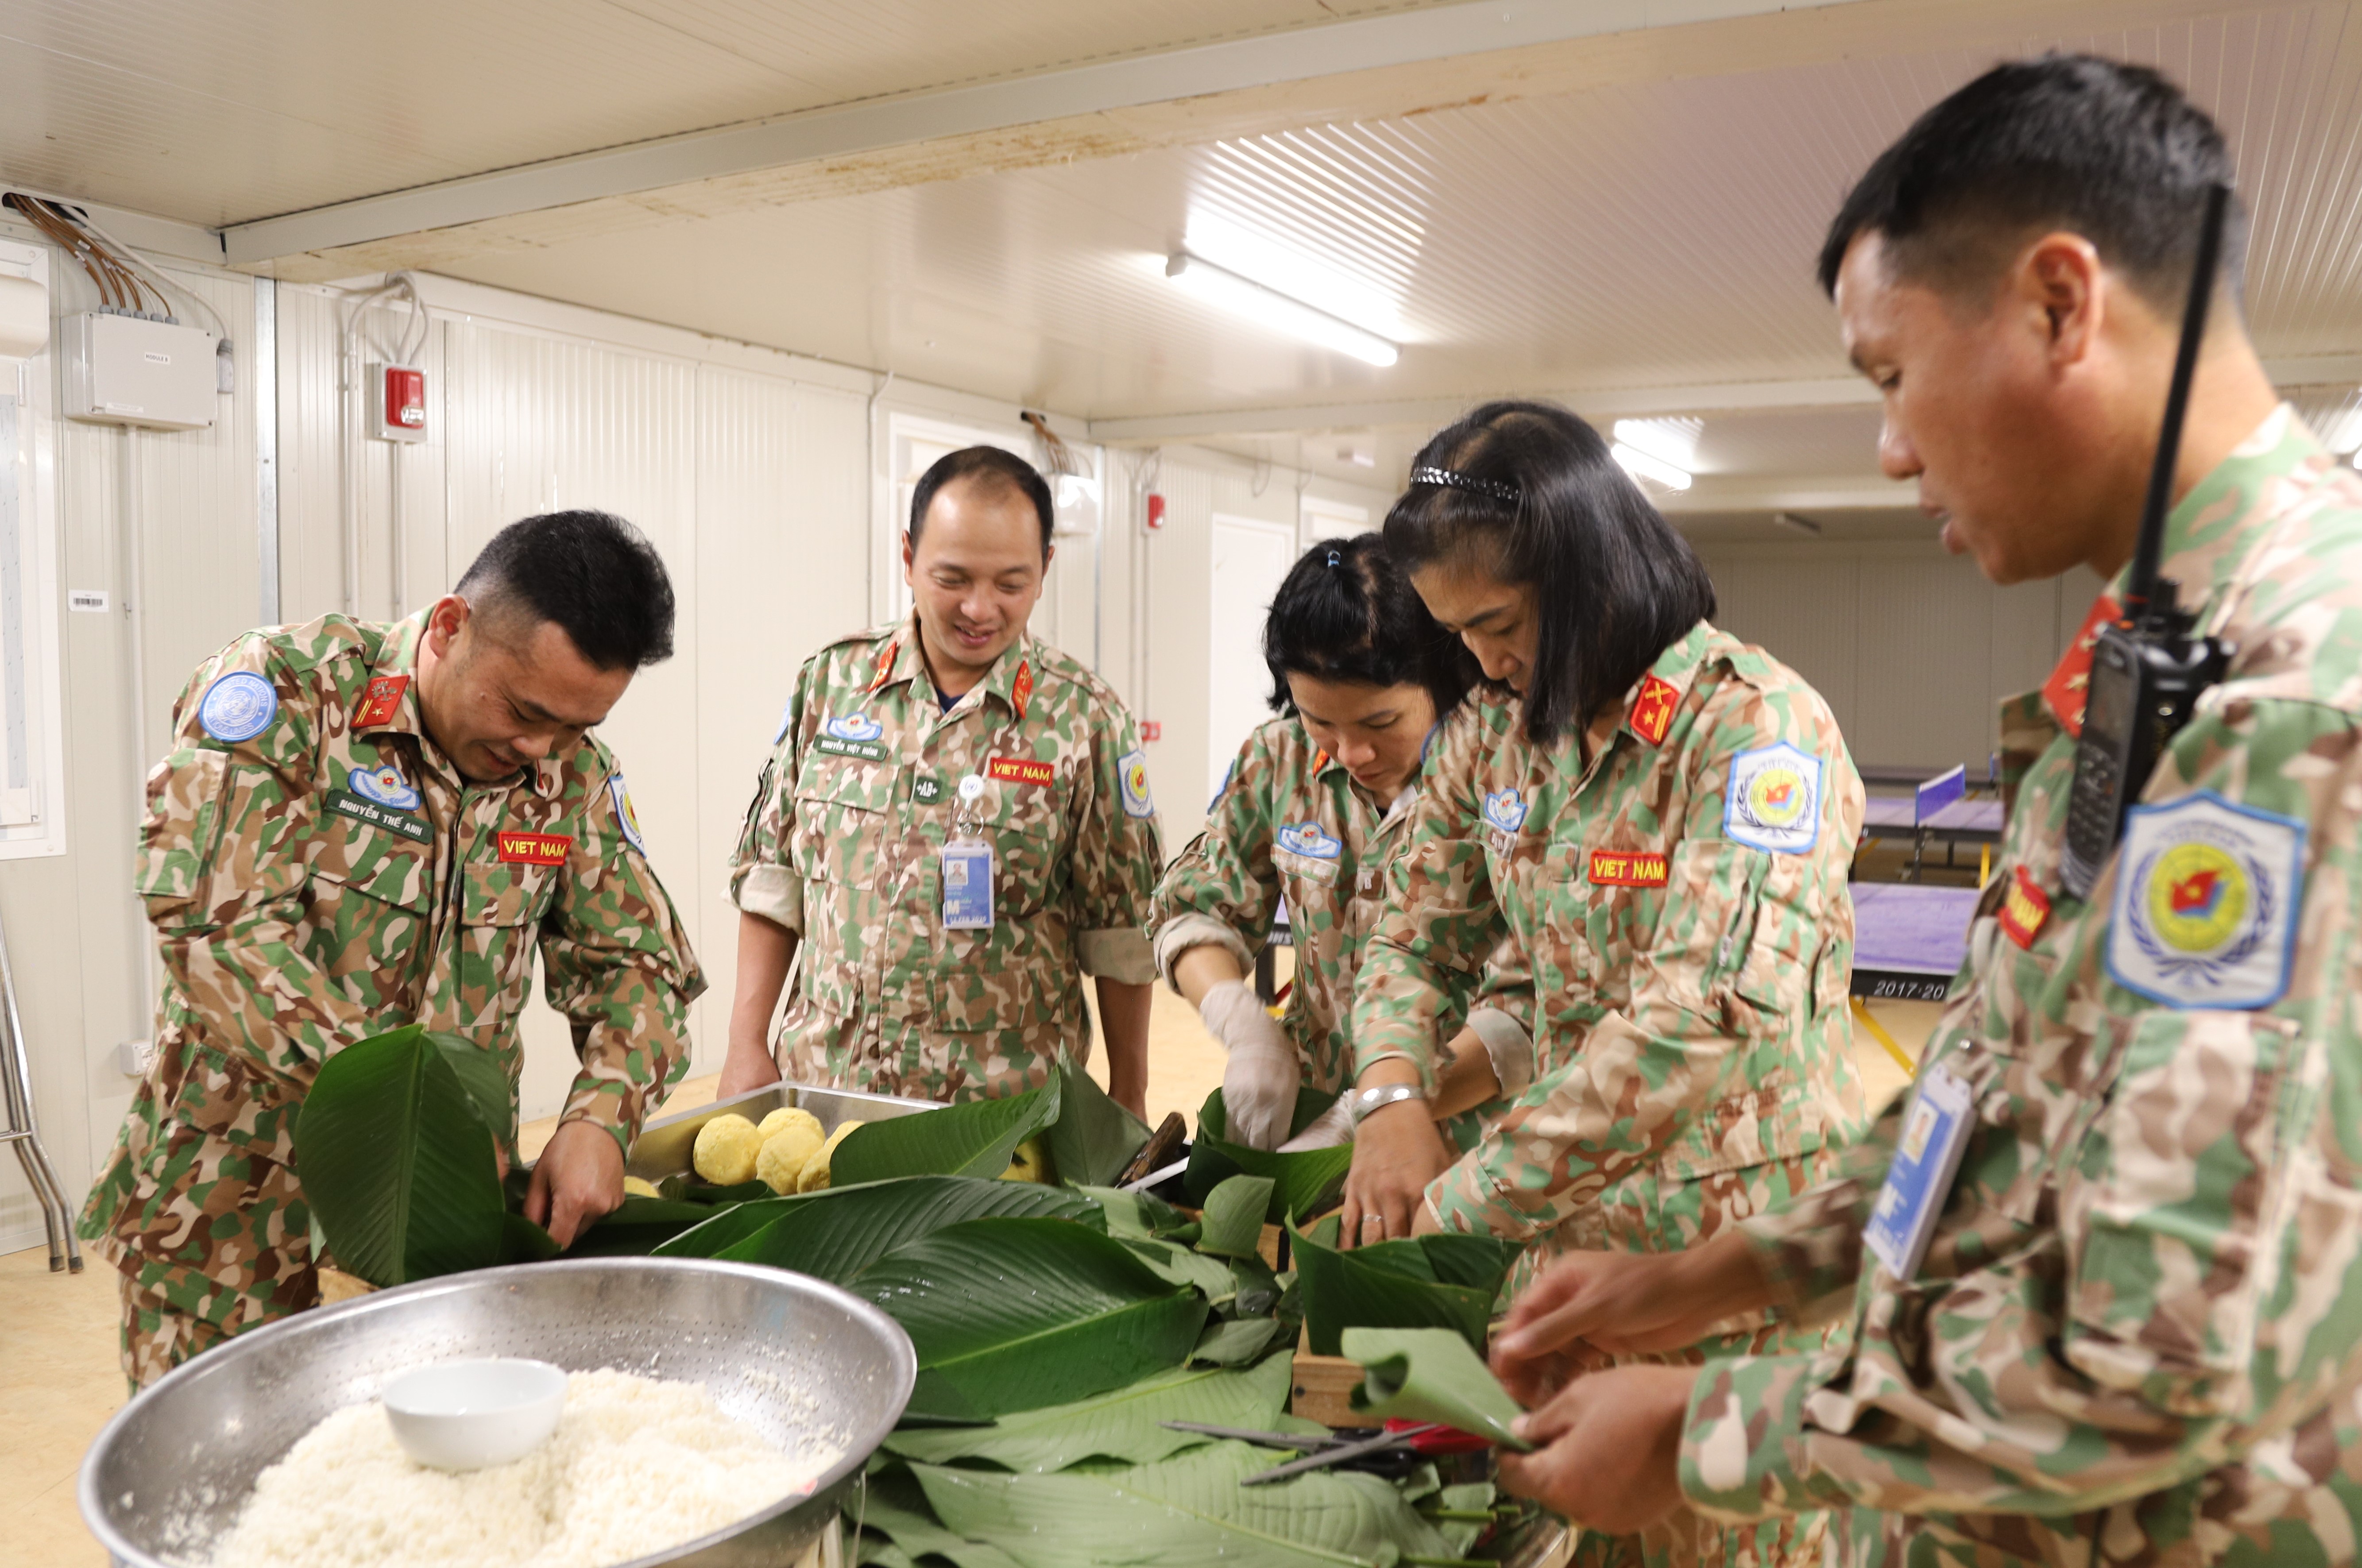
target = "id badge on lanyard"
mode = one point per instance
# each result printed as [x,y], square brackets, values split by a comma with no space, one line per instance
[1926,1159]
[968,865]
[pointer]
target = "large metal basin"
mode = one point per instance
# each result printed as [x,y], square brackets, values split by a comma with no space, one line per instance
[797,1359]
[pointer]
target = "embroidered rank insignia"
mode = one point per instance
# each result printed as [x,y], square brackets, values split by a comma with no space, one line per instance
[534,848]
[1132,773]
[238,707]
[1020,770]
[384,784]
[1774,800]
[1626,869]
[626,818]
[884,665]
[1653,710]
[1020,691]
[2025,909]
[381,702]
[1310,840]
[2206,904]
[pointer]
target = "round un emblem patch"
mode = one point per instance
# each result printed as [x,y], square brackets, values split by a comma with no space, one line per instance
[237,707]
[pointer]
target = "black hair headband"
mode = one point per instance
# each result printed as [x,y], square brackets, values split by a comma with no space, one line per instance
[1506,494]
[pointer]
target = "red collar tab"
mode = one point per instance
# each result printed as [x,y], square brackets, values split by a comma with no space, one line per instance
[1320,763]
[2069,685]
[1652,709]
[1020,691]
[2025,909]
[535,848]
[381,702]
[884,665]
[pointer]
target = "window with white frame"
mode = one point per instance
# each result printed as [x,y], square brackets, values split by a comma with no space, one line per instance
[32,749]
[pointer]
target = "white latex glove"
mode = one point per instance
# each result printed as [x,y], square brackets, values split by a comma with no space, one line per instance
[1259,1085]
[1334,1126]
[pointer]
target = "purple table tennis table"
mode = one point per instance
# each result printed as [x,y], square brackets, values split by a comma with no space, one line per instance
[1909,939]
[1937,812]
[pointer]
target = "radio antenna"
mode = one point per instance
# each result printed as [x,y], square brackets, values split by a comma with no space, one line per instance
[2142,585]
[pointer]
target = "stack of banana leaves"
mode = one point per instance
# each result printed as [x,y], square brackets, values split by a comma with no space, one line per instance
[1058,1320]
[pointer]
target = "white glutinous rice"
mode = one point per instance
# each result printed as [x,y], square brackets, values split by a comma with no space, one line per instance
[635,1466]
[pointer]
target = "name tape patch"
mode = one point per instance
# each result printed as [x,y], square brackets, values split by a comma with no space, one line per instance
[1020,770]
[2206,902]
[535,848]
[346,803]
[1626,868]
[382,701]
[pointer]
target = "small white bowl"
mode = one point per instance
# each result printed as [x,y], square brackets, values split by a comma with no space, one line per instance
[467,1415]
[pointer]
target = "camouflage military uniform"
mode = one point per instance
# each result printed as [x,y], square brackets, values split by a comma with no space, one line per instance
[842,845]
[1680,903]
[316,873]
[2136,1334]
[1290,823]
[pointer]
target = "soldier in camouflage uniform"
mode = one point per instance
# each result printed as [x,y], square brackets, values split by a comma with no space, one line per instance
[1668,860]
[1311,811]
[2132,1329]
[362,825]
[849,847]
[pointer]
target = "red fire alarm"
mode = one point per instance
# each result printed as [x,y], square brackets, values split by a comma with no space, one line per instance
[1149,729]
[400,410]
[1155,510]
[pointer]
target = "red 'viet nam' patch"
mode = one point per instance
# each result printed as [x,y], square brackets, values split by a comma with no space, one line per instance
[1021,770]
[1653,710]
[2025,909]
[382,701]
[535,848]
[1627,869]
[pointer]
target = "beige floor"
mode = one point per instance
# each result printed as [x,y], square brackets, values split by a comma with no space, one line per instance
[60,1381]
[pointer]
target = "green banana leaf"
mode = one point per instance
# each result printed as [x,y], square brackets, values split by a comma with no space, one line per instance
[521,1240]
[974,1138]
[1237,1340]
[637,1226]
[835,1233]
[730,1223]
[486,1079]
[1453,1506]
[1342,1290]
[1120,1425]
[894,1511]
[1141,1215]
[1302,1183]
[1232,1226]
[397,1163]
[1430,1375]
[1094,1138]
[1210,1277]
[1185,1512]
[1010,1315]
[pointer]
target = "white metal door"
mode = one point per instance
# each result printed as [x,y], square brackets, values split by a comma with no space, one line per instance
[1250,558]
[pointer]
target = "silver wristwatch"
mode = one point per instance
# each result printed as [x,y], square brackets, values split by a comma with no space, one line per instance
[1369,1100]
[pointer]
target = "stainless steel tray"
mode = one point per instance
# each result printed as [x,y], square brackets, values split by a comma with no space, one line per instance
[664,1146]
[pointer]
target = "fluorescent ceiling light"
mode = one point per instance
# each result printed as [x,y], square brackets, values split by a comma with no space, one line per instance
[1656,470]
[1245,297]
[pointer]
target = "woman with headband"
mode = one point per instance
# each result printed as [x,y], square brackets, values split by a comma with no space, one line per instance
[1311,811]
[1658,819]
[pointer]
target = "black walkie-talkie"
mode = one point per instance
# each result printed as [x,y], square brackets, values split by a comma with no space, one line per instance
[2147,669]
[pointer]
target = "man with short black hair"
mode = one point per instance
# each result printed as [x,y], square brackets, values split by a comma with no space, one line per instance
[363,825]
[2103,1267]
[955,826]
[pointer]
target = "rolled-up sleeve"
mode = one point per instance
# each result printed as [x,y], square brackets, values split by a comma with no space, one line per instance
[1117,856]
[762,879]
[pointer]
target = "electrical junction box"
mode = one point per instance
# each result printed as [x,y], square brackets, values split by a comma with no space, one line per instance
[126,370]
[1075,506]
[397,402]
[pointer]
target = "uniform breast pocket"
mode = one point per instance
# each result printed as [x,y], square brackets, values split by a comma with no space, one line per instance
[2175,1211]
[501,908]
[840,834]
[1565,913]
[368,897]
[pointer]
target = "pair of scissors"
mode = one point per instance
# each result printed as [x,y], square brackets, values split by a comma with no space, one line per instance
[1323,1451]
